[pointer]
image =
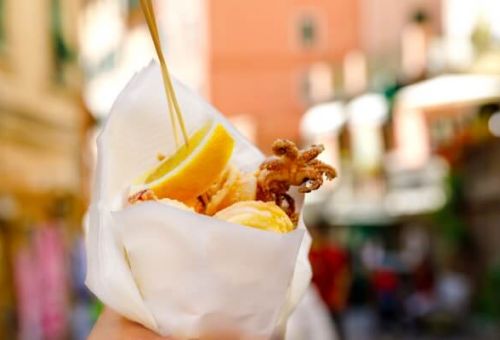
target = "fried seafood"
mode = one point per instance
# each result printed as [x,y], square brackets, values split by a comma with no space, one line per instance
[289,166]
[149,195]
[143,195]
[292,167]
[234,186]
[257,214]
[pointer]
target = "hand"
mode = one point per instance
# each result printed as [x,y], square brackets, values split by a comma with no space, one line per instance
[112,326]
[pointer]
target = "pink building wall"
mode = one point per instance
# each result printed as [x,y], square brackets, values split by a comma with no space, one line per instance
[258,60]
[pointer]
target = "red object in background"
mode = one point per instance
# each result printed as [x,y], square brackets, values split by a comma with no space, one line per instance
[330,267]
[423,276]
[385,281]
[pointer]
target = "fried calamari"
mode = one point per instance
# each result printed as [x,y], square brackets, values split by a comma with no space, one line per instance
[289,166]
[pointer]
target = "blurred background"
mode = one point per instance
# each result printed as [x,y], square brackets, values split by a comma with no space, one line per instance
[404,94]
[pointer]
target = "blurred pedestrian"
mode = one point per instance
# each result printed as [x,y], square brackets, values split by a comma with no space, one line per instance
[331,272]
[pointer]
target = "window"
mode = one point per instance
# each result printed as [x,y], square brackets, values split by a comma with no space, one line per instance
[308,31]
[316,84]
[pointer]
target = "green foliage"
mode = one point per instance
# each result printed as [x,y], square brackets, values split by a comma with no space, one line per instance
[451,225]
[63,53]
[489,294]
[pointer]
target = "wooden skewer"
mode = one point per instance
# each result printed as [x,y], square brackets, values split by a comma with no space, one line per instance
[147,8]
[155,37]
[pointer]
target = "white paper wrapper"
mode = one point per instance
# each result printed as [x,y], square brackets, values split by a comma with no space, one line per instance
[177,272]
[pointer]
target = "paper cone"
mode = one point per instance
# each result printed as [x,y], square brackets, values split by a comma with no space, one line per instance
[177,272]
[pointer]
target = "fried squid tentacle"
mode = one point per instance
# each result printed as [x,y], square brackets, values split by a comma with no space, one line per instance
[291,167]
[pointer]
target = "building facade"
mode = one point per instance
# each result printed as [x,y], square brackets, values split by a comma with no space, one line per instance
[41,111]
[251,59]
[42,181]
[261,53]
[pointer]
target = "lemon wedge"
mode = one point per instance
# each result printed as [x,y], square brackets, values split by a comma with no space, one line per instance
[257,214]
[191,170]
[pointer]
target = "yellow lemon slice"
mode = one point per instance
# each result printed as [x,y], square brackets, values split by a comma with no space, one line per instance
[257,214]
[191,170]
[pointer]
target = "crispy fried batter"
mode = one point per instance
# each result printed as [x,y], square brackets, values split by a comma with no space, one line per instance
[288,167]
[291,167]
[143,195]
